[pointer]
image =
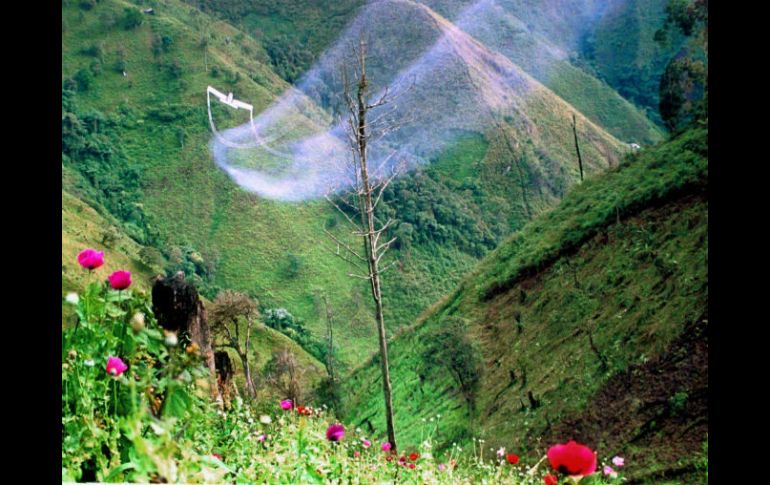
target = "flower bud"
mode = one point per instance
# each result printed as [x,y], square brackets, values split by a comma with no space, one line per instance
[137,322]
[171,339]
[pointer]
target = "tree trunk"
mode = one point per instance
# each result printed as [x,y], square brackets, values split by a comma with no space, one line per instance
[178,308]
[372,250]
[577,147]
[250,389]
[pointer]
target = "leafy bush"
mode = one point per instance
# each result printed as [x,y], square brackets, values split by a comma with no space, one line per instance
[132,18]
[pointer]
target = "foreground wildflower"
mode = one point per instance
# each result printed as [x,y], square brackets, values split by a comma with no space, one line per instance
[265,419]
[90,259]
[304,411]
[115,366]
[286,404]
[609,471]
[366,442]
[72,298]
[414,456]
[120,280]
[501,452]
[441,467]
[217,456]
[550,479]
[618,461]
[572,459]
[386,446]
[137,322]
[335,432]
[512,458]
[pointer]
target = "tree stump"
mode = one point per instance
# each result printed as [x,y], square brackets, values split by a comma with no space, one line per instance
[224,368]
[178,308]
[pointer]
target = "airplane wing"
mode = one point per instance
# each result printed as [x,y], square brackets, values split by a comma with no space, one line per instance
[240,104]
[221,96]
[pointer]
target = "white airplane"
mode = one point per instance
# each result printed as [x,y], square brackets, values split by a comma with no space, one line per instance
[228,100]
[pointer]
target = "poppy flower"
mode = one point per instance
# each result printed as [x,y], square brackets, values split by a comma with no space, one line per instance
[414,456]
[386,446]
[550,480]
[411,466]
[286,404]
[115,366]
[335,432]
[120,280]
[572,459]
[389,458]
[90,258]
[512,458]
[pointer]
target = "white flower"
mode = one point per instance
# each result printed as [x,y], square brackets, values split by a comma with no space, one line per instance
[89,363]
[501,452]
[72,298]
[265,419]
[171,339]
[251,420]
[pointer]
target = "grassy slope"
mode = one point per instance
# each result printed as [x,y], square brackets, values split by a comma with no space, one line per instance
[624,257]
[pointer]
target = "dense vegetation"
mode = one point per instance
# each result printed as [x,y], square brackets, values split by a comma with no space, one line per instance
[136,408]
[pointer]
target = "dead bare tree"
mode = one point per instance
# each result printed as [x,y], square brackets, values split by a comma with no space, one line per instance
[368,188]
[231,311]
[284,373]
[577,147]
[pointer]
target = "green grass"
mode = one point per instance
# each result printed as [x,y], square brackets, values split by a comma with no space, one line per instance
[633,284]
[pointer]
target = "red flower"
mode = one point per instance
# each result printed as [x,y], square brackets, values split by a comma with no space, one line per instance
[389,458]
[217,456]
[120,280]
[414,456]
[90,258]
[550,480]
[572,459]
[411,466]
[512,458]
[304,411]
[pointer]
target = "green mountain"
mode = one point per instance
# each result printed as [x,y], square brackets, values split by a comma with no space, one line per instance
[136,133]
[566,328]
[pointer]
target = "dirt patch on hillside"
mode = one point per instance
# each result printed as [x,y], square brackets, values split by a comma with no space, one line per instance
[654,414]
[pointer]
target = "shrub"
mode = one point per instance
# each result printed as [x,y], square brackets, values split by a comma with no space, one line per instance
[83,79]
[132,18]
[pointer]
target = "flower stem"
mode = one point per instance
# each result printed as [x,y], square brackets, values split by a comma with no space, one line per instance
[115,397]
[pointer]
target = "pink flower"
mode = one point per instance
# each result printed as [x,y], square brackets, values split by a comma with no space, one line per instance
[366,442]
[335,432]
[441,467]
[386,446]
[261,438]
[120,280]
[286,404]
[356,453]
[618,461]
[115,366]
[609,471]
[90,258]
[217,456]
